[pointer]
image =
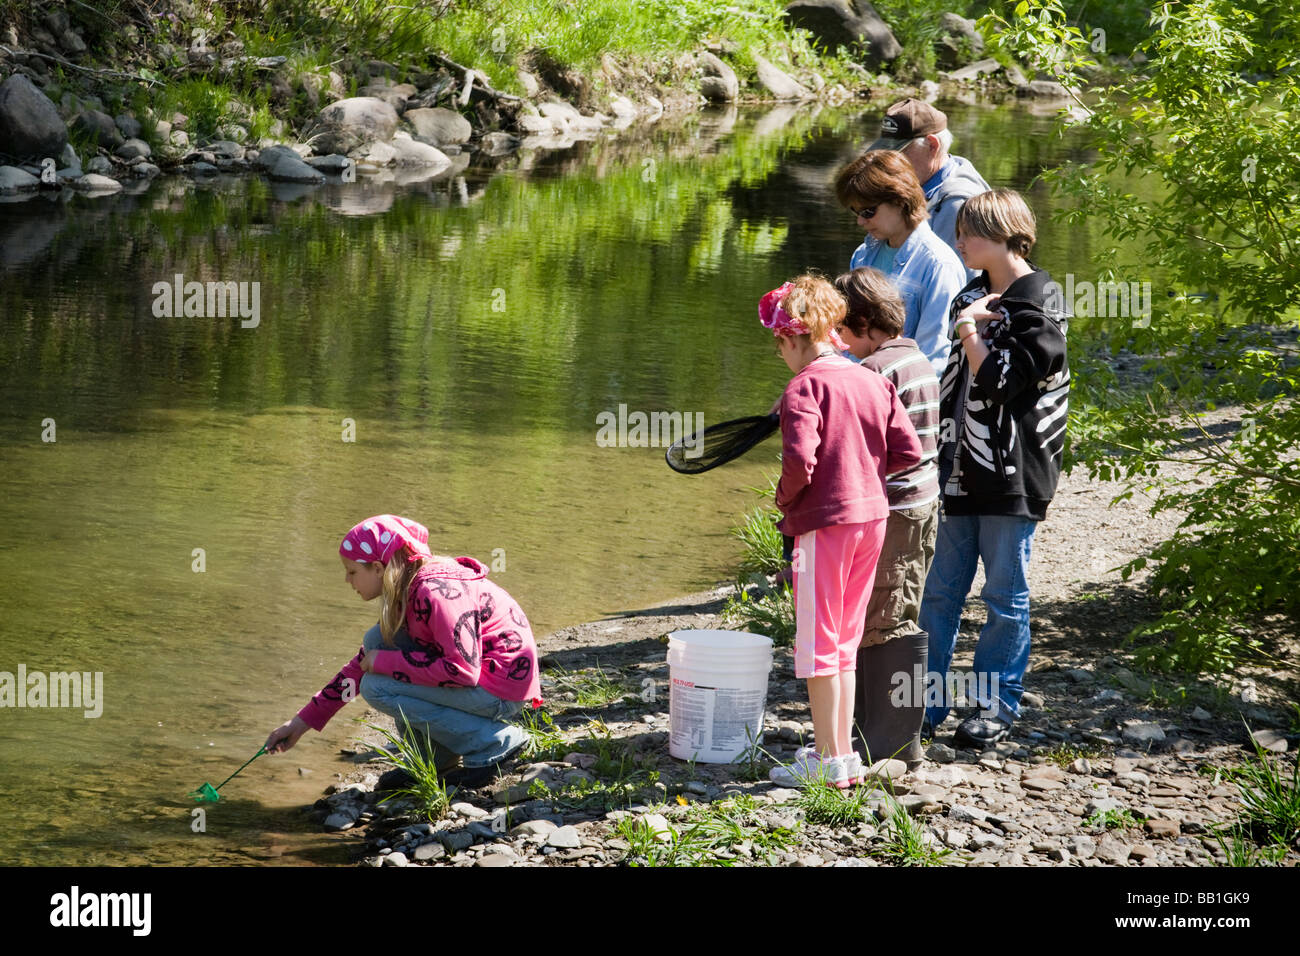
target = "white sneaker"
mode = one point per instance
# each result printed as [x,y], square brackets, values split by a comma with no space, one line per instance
[854,767]
[809,768]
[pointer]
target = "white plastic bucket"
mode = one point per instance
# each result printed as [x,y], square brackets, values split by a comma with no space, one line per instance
[718,683]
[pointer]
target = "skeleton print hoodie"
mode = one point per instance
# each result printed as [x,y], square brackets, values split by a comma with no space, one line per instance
[1002,434]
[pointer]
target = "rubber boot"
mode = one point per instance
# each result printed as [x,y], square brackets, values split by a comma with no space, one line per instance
[888,709]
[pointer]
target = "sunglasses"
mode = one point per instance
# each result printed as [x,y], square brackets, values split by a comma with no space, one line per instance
[865,213]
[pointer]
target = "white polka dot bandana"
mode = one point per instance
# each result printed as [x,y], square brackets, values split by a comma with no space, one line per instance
[380,537]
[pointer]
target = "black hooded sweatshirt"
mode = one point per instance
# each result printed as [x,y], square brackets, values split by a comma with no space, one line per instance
[1002,439]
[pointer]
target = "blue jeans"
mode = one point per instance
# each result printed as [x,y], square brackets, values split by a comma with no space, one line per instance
[1002,654]
[468,721]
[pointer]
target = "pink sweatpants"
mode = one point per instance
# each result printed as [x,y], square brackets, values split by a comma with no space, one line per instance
[834,568]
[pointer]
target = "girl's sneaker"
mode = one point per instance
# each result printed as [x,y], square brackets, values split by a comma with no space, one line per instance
[854,767]
[810,769]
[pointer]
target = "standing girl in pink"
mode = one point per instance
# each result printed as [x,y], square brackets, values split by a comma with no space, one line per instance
[843,429]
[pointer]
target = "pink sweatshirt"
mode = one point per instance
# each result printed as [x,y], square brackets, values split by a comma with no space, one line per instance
[471,634]
[843,429]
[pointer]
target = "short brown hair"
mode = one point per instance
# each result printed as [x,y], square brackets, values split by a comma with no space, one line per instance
[882,175]
[1000,215]
[873,303]
[814,302]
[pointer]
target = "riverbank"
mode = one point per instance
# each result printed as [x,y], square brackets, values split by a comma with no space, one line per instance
[201,90]
[1104,768]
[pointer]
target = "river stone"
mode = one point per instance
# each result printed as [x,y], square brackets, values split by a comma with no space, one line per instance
[333,164]
[95,183]
[782,86]
[958,41]
[144,170]
[128,125]
[455,840]
[397,858]
[564,838]
[1270,740]
[941,753]
[1044,90]
[1201,714]
[719,84]
[409,152]
[658,825]
[133,148]
[14,180]
[440,127]
[496,859]
[100,127]
[1163,828]
[1143,733]
[225,149]
[849,24]
[343,126]
[972,70]
[202,169]
[340,821]
[534,828]
[30,125]
[284,165]
[498,144]
[427,852]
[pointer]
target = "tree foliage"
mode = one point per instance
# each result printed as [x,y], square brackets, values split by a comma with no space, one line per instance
[1205,120]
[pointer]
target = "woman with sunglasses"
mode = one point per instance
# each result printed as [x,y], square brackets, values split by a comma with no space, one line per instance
[880,188]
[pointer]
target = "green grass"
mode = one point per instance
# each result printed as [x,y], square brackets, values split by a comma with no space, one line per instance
[1240,849]
[429,794]
[1113,819]
[545,740]
[716,834]
[762,542]
[771,615]
[832,806]
[1065,754]
[1270,798]
[591,689]
[904,840]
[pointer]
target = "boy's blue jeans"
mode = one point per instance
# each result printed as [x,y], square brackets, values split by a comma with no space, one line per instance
[468,721]
[1003,543]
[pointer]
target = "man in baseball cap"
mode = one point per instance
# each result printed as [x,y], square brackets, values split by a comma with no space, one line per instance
[920,132]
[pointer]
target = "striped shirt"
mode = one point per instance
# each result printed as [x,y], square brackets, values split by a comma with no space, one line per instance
[900,361]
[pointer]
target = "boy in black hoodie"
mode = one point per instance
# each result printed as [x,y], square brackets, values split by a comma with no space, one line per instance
[1003,411]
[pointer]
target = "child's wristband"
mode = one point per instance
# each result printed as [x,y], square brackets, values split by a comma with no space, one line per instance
[960,322]
[970,335]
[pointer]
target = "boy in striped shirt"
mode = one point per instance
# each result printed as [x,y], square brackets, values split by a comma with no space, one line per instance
[894,650]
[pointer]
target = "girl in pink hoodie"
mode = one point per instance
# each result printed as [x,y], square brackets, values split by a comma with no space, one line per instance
[843,430]
[452,655]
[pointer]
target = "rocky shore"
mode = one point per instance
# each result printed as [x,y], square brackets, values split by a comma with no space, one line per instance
[70,123]
[1104,768]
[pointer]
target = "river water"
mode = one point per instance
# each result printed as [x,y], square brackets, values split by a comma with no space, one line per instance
[440,350]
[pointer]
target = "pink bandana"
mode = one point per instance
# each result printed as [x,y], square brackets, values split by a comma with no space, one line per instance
[380,537]
[781,322]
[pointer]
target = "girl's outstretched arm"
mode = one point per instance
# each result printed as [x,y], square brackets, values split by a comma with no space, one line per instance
[286,735]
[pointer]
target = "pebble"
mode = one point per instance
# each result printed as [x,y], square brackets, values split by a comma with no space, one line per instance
[455,840]
[544,827]
[1082,767]
[1201,714]
[396,859]
[1163,828]
[1142,733]
[1030,699]
[468,811]
[567,837]
[966,814]
[1270,740]
[659,824]
[496,859]
[782,795]
[340,821]
[427,852]
[940,753]
[1079,675]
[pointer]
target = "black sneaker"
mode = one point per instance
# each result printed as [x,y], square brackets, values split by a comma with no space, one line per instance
[982,731]
[471,778]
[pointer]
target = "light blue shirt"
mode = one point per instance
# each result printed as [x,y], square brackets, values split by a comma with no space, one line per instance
[928,276]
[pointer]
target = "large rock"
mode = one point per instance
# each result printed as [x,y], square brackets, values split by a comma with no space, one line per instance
[343,126]
[284,165]
[719,84]
[132,149]
[439,127]
[779,84]
[958,43]
[100,127]
[30,125]
[14,180]
[853,24]
[413,153]
[95,183]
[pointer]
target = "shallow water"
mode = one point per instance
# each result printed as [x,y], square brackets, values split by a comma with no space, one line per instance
[471,329]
